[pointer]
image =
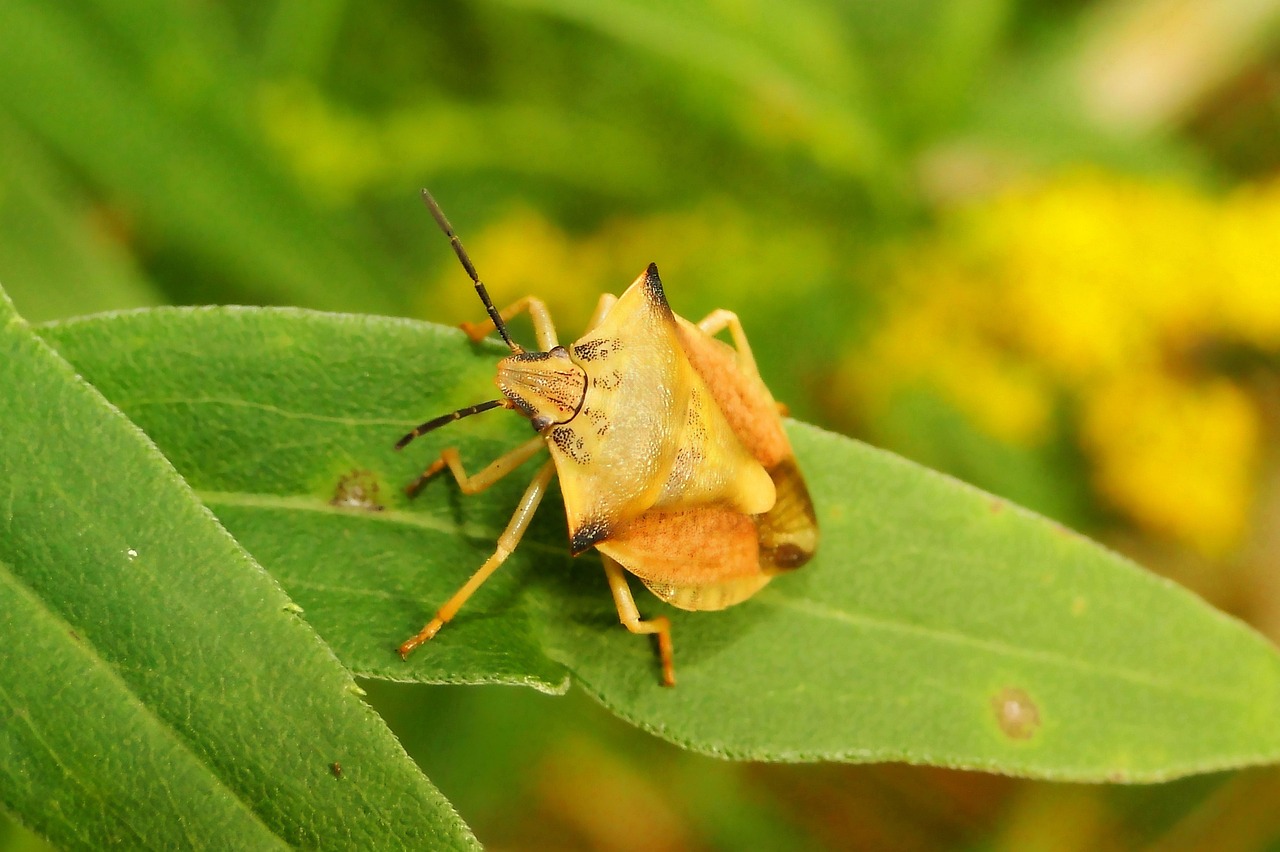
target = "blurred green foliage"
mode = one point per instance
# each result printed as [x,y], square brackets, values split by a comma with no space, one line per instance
[768,156]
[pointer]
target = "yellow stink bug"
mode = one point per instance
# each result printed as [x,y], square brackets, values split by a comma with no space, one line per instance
[670,451]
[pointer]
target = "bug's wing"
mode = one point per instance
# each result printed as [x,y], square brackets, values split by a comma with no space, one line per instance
[648,433]
[699,559]
[741,395]
[789,530]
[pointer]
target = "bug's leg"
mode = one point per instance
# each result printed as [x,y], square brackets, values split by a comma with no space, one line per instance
[720,319]
[630,617]
[606,302]
[543,328]
[475,483]
[506,545]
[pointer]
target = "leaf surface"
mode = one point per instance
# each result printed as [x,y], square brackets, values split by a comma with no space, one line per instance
[158,689]
[938,624]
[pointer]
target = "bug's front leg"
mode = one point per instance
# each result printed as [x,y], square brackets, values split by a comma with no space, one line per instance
[543,328]
[475,483]
[630,617]
[506,546]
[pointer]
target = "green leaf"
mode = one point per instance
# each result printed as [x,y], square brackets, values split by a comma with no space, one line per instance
[937,624]
[158,689]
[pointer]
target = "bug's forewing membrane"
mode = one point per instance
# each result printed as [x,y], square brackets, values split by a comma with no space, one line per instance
[649,434]
[788,532]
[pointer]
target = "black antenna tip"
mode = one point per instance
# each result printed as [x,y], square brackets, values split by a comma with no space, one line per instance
[470,268]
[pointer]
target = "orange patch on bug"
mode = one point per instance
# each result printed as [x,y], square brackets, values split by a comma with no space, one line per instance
[742,397]
[690,547]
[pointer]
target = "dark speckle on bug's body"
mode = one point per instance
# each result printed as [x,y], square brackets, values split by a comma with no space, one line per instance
[571,444]
[596,350]
[607,381]
[589,534]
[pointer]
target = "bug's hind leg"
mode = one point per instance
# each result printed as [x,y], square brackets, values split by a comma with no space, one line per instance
[630,617]
[506,546]
[543,328]
[720,319]
[475,483]
[716,322]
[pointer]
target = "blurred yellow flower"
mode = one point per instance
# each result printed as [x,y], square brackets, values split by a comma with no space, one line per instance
[714,254]
[1178,456]
[1096,294]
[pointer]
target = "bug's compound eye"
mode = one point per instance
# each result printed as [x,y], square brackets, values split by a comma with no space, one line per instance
[541,421]
[558,352]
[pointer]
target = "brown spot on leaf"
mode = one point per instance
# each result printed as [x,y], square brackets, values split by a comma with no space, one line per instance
[996,506]
[357,490]
[336,769]
[1017,715]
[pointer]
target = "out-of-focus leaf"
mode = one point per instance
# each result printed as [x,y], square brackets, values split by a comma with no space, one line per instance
[157,689]
[45,236]
[139,126]
[937,624]
[788,60]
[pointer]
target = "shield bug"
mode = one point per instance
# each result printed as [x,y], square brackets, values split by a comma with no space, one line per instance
[670,450]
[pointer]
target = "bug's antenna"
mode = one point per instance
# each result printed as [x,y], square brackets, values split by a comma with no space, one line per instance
[443,222]
[446,419]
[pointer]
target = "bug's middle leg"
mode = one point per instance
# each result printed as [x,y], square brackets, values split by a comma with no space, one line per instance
[630,617]
[606,301]
[543,328]
[475,483]
[506,546]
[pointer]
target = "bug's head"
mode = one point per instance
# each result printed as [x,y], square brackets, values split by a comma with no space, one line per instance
[547,387]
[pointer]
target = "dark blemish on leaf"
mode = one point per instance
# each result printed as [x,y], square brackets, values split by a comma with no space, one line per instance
[1017,715]
[74,635]
[357,490]
[336,769]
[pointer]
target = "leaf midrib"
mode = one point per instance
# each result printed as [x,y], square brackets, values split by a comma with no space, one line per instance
[769,596]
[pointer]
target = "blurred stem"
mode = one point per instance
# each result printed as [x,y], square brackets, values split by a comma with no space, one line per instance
[831,115]
[1145,64]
